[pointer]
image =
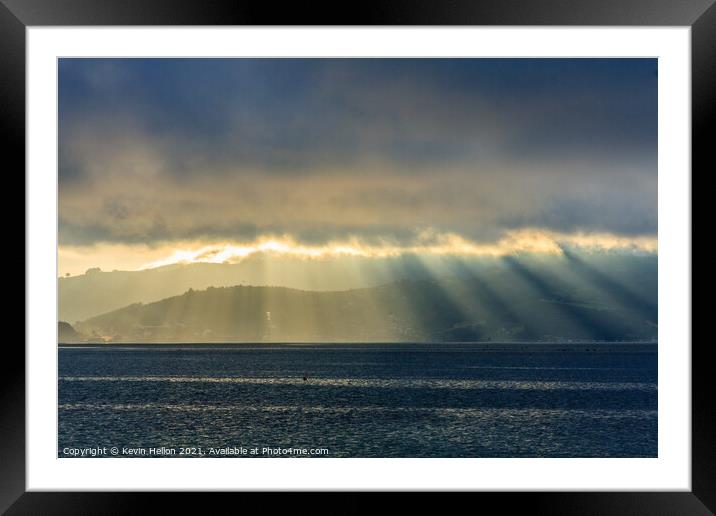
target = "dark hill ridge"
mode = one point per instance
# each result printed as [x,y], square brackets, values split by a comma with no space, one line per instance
[97,292]
[66,333]
[518,303]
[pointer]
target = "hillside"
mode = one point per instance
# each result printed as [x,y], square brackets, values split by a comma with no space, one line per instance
[520,302]
[66,333]
[97,292]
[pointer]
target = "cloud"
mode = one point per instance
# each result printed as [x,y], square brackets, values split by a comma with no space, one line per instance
[426,243]
[156,151]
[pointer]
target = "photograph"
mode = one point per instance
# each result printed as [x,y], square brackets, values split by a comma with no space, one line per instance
[437,248]
[357,257]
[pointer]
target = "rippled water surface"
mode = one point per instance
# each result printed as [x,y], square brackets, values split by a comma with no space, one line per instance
[368,400]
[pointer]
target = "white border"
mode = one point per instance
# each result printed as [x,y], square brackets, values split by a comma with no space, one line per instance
[671,471]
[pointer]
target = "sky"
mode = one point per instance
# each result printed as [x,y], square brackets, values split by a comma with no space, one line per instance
[167,161]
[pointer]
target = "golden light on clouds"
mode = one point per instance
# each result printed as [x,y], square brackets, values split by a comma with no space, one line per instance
[75,260]
[428,243]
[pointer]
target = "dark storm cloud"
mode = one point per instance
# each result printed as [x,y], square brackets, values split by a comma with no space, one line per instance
[199,148]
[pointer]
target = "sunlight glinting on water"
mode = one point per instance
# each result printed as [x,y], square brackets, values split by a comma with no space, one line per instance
[481,411]
[379,382]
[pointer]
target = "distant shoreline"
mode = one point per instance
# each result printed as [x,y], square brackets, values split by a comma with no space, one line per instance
[631,346]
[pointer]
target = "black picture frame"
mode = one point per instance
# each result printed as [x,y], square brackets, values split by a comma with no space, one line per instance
[17,15]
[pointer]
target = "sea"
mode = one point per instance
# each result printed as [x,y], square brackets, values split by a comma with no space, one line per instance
[358,400]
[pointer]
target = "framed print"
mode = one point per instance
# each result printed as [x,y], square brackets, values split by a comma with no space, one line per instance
[401,255]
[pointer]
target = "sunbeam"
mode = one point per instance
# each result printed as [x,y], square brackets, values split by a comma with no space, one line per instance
[615,290]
